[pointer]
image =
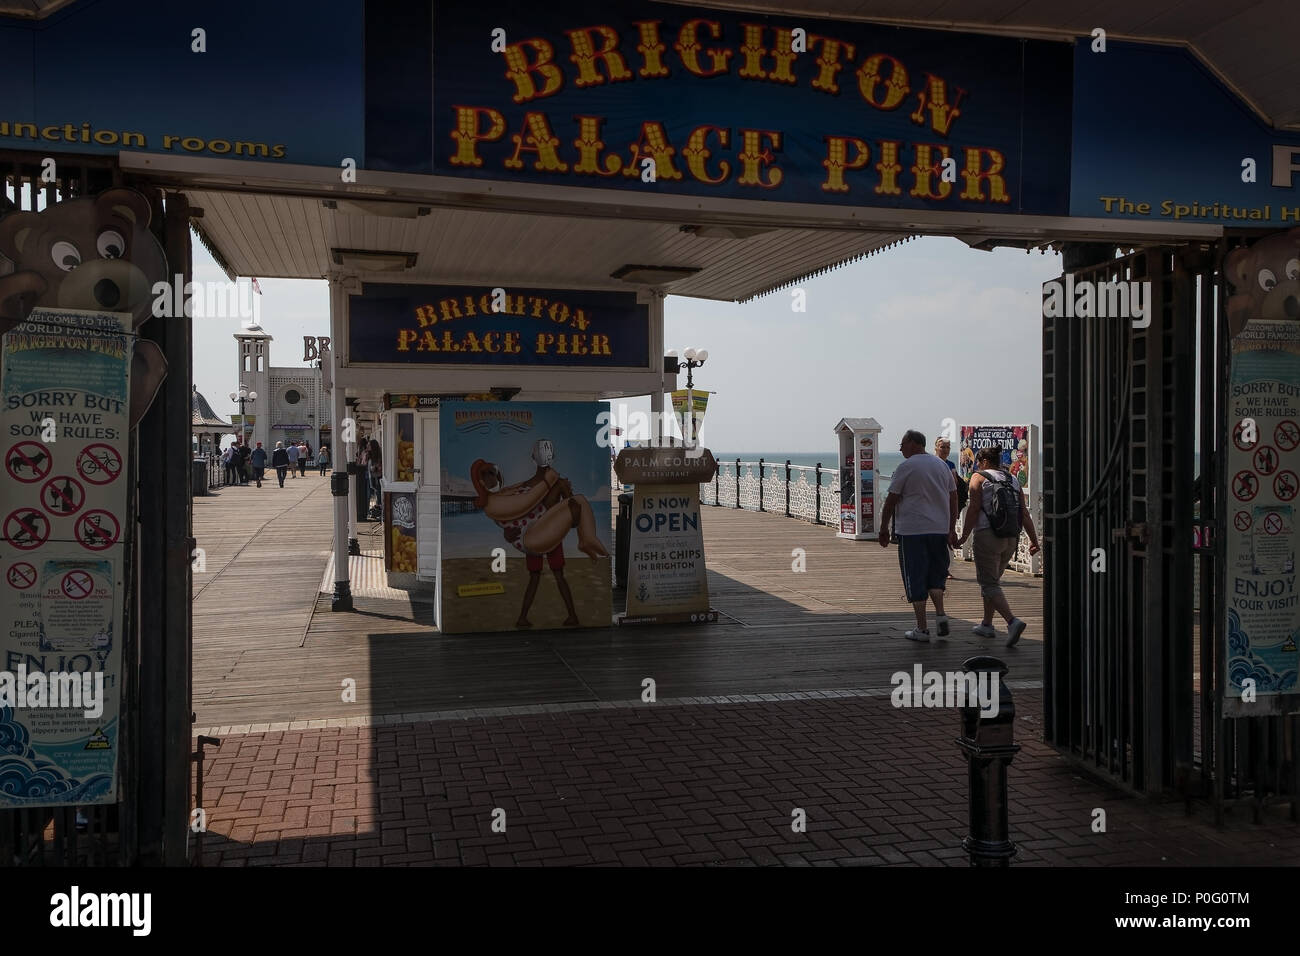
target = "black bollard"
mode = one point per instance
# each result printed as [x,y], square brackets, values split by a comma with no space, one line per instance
[989,746]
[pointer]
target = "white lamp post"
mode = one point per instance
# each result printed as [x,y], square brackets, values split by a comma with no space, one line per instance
[692,359]
[242,396]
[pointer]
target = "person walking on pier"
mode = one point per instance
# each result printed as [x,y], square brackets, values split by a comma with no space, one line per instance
[229,462]
[996,513]
[292,452]
[323,459]
[258,461]
[942,449]
[922,504]
[304,453]
[280,461]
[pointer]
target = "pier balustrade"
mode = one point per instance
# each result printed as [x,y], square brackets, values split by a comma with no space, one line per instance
[812,493]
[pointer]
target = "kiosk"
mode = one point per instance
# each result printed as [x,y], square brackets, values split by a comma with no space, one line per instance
[495,467]
[859,440]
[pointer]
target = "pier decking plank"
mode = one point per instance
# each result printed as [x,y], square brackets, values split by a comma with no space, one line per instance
[267,648]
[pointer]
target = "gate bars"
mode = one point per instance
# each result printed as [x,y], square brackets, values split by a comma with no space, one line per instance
[149,823]
[1131,677]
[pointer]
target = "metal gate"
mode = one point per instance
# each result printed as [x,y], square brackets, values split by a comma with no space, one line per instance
[148,824]
[1133,611]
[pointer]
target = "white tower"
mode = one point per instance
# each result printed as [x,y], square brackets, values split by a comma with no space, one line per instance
[254,372]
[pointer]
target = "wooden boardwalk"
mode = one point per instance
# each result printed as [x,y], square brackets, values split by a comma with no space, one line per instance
[268,649]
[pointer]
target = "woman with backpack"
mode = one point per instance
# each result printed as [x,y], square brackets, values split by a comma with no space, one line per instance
[996,513]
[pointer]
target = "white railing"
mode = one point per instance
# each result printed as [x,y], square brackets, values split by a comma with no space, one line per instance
[796,491]
[805,494]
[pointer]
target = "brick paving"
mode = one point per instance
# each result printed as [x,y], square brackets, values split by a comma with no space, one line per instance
[683,784]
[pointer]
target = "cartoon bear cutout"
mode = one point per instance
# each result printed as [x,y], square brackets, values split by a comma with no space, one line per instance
[1266,279]
[94,254]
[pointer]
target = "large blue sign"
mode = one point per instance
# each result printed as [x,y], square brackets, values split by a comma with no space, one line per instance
[277,82]
[651,98]
[505,325]
[1156,137]
[742,106]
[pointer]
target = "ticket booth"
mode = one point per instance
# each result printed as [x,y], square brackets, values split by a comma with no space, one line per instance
[494,438]
[859,440]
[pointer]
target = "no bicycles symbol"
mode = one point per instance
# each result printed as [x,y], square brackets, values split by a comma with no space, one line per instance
[77,585]
[99,463]
[97,530]
[1242,521]
[21,576]
[1287,435]
[27,462]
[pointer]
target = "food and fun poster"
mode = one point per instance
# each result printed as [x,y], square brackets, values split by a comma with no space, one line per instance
[1263,474]
[529,547]
[1017,448]
[64,420]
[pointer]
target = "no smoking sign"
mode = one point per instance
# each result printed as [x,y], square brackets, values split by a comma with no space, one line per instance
[21,576]
[77,585]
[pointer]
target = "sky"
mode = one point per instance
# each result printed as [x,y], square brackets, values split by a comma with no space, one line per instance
[928,330]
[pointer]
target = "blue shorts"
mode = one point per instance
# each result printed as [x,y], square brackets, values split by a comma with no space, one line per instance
[924,560]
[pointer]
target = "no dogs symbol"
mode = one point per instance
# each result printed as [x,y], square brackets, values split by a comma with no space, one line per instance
[27,462]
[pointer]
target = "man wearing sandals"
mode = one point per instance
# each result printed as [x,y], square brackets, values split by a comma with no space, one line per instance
[922,504]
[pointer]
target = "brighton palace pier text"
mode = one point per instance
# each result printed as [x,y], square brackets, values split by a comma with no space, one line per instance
[882,81]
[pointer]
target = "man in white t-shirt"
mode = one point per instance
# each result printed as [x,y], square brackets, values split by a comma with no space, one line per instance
[922,504]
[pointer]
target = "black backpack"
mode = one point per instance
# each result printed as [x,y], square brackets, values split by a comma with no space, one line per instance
[1003,508]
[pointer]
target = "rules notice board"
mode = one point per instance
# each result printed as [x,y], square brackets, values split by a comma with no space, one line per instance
[64,419]
[1263,482]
